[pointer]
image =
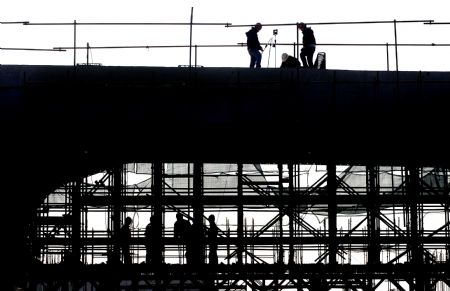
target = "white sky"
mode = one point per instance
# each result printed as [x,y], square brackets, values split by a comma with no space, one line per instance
[231,11]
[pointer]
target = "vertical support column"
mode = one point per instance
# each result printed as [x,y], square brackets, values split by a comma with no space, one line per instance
[291,213]
[332,183]
[198,193]
[373,219]
[412,179]
[446,211]
[198,256]
[157,193]
[332,213]
[412,193]
[240,215]
[76,220]
[116,209]
[280,211]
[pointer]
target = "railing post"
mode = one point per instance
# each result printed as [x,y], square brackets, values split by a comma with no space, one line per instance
[190,37]
[396,47]
[387,56]
[74,43]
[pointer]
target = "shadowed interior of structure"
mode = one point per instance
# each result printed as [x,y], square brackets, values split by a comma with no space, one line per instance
[63,124]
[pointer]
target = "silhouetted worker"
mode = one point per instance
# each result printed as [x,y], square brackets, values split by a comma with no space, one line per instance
[151,242]
[289,61]
[253,46]
[181,230]
[212,239]
[125,239]
[309,45]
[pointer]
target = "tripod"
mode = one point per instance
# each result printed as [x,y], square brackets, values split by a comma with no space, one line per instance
[272,43]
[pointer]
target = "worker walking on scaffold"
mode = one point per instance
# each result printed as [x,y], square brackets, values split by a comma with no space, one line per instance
[309,45]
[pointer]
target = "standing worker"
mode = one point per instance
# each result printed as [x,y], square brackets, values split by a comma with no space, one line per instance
[152,244]
[253,46]
[309,45]
[182,230]
[125,240]
[212,238]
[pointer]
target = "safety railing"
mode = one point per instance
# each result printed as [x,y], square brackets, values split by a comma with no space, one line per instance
[194,47]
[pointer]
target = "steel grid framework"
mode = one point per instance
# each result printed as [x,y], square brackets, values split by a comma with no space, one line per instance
[281,227]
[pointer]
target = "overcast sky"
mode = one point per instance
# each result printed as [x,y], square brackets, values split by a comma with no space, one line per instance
[243,12]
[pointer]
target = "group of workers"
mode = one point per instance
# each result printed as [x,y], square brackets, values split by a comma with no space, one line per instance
[306,55]
[189,237]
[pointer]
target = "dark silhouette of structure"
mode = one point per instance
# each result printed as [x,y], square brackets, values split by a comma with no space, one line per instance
[385,184]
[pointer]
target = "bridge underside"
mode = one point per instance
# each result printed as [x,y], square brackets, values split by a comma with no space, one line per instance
[61,124]
[229,114]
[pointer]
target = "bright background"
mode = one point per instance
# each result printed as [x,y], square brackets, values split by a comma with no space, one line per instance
[425,58]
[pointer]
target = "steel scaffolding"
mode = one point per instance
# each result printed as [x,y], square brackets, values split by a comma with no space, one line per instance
[280,227]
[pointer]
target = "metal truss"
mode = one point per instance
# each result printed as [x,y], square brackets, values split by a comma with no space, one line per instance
[280,227]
